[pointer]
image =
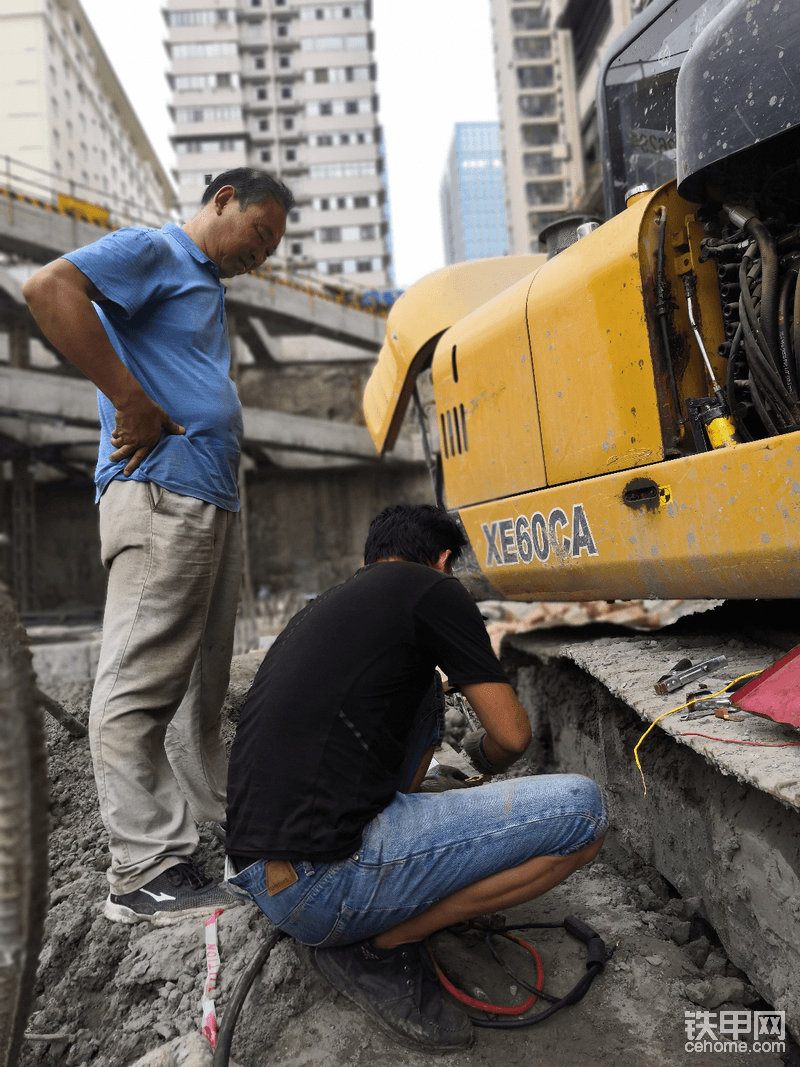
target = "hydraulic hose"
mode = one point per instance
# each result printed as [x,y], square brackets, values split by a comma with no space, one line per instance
[760,407]
[730,385]
[596,958]
[222,1052]
[769,283]
[788,365]
[764,371]
[663,309]
[764,377]
[749,272]
[577,993]
[740,216]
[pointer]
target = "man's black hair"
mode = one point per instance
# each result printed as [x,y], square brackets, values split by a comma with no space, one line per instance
[252,186]
[417,533]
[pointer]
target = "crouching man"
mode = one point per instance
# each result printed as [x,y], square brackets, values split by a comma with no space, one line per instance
[326,829]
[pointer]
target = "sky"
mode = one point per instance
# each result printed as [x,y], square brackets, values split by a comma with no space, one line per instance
[435,68]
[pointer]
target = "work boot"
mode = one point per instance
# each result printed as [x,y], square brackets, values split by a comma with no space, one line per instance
[399,991]
[179,891]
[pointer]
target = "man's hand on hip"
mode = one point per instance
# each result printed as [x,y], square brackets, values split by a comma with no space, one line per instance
[61,300]
[137,431]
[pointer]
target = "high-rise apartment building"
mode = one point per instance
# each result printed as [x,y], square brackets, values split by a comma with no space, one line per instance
[288,86]
[547,56]
[538,118]
[66,126]
[473,218]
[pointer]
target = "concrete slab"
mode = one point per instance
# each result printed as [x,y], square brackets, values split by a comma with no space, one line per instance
[629,669]
[71,404]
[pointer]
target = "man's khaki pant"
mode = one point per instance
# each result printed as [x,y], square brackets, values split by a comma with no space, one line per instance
[174,567]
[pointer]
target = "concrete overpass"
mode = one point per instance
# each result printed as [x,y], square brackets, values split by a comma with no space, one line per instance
[281,319]
[46,412]
[36,231]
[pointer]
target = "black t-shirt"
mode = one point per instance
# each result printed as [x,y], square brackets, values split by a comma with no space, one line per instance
[323,733]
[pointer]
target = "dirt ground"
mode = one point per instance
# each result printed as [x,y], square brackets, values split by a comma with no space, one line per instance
[109,995]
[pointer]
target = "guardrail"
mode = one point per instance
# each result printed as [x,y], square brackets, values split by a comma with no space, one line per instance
[109,212]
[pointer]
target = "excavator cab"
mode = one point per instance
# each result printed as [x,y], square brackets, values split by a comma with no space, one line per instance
[636,96]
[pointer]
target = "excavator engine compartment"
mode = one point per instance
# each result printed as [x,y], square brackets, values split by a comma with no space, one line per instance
[613,424]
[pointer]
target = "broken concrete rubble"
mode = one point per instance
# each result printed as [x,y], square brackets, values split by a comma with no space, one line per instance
[191,1051]
[505,617]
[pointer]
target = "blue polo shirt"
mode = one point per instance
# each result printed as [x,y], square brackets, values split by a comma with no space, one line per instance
[165,316]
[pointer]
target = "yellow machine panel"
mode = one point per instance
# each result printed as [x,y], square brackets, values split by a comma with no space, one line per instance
[416,322]
[591,356]
[685,528]
[486,409]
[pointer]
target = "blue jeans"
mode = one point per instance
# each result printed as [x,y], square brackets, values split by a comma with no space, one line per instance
[425,846]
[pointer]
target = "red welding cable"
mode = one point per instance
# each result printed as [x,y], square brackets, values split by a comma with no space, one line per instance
[483,1005]
[755,744]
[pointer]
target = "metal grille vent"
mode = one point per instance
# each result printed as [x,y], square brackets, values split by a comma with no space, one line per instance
[453,423]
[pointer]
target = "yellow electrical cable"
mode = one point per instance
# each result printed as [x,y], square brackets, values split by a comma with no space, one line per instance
[663,715]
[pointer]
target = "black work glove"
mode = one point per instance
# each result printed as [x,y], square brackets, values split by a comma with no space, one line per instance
[444,778]
[473,750]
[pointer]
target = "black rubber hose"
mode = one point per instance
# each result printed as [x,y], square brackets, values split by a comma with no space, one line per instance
[597,955]
[663,309]
[512,974]
[242,988]
[762,365]
[789,241]
[747,309]
[758,355]
[730,385]
[785,316]
[796,326]
[769,274]
[576,994]
[758,403]
[764,376]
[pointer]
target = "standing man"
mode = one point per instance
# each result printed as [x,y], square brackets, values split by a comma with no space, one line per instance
[142,313]
[326,830]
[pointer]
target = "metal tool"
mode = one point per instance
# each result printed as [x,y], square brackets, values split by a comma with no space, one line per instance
[706,705]
[684,672]
[465,708]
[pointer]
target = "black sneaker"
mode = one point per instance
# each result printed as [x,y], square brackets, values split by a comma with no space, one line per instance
[399,991]
[179,891]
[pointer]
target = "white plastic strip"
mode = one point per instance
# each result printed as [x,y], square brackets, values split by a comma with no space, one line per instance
[209,1029]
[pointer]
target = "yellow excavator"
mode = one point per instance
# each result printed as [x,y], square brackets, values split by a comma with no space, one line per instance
[621,418]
